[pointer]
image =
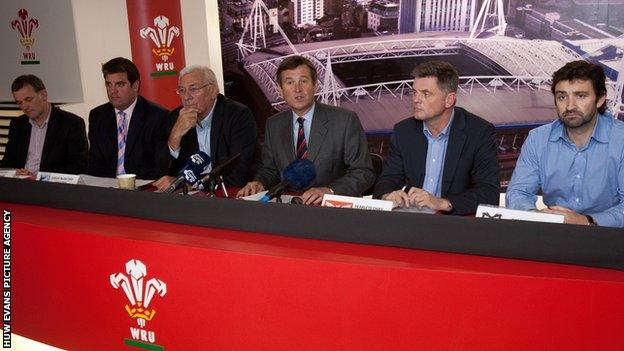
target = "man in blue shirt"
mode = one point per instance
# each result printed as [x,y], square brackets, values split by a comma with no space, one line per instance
[444,157]
[210,122]
[578,160]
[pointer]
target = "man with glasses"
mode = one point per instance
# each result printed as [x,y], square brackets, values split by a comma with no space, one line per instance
[128,133]
[208,121]
[443,158]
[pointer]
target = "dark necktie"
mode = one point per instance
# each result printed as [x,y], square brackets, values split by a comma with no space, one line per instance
[302,146]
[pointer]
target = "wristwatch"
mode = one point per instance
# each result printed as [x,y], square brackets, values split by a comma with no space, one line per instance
[590,220]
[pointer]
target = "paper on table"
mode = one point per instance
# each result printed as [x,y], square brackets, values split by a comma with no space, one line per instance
[107,182]
[414,209]
[258,196]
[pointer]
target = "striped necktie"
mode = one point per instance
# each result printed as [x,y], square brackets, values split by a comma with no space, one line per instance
[121,141]
[302,146]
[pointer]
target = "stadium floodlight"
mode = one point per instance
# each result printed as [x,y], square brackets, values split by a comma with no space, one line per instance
[492,11]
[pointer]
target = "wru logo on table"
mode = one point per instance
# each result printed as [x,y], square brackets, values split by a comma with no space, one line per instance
[139,294]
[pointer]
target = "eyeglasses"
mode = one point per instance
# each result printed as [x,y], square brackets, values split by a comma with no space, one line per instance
[192,90]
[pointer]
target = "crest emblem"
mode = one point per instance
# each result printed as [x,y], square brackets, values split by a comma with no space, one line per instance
[138,291]
[162,36]
[24,27]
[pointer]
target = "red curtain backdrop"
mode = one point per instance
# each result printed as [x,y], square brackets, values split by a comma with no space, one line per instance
[157,45]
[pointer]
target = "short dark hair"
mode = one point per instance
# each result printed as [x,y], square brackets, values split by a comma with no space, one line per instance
[448,78]
[293,62]
[27,79]
[582,70]
[122,65]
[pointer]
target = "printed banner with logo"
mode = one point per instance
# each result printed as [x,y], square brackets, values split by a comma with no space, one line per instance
[157,47]
[38,37]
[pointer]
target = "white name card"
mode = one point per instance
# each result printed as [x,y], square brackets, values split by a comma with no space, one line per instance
[356,203]
[58,177]
[7,173]
[496,212]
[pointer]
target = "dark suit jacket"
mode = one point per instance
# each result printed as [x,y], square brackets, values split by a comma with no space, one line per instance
[146,145]
[471,171]
[337,147]
[64,148]
[232,131]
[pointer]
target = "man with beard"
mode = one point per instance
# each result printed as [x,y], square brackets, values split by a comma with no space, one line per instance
[576,161]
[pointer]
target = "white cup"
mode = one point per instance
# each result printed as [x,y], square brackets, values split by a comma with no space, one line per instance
[127,181]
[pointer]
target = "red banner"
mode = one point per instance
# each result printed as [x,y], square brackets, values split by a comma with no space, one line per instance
[85,281]
[157,47]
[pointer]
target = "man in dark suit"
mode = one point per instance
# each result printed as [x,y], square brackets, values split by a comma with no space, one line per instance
[331,137]
[208,121]
[128,133]
[44,138]
[444,158]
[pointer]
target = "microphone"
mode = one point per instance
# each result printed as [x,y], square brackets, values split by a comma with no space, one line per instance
[191,171]
[298,175]
[219,170]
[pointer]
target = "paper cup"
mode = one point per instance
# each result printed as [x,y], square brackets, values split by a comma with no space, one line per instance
[127,181]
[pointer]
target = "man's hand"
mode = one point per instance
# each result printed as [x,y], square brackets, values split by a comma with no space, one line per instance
[23,172]
[250,188]
[187,119]
[569,216]
[163,183]
[421,198]
[399,198]
[314,196]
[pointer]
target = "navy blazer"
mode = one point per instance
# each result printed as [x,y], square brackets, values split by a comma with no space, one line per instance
[232,131]
[471,170]
[64,147]
[146,144]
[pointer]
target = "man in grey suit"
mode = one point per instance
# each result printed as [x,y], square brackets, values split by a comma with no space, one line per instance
[331,137]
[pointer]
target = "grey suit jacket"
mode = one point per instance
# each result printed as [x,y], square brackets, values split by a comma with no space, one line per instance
[337,147]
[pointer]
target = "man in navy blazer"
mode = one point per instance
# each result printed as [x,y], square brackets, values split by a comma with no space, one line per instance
[145,148]
[44,138]
[208,121]
[444,158]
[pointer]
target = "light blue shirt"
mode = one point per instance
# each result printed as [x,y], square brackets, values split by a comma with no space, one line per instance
[307,126]
[203,137]
[436,152]
[588,180]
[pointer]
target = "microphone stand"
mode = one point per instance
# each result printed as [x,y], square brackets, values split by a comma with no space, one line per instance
[213,184]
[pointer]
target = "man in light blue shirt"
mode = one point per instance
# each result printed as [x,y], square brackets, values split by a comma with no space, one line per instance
[443,158]
[578,160]
[210,122]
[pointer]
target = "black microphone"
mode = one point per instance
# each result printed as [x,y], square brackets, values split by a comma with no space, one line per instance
[219,170]
[298,175]
[191,171]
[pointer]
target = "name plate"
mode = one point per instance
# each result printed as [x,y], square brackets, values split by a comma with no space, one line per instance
[356,203]
[58,177]
[496,212]
[7,173]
